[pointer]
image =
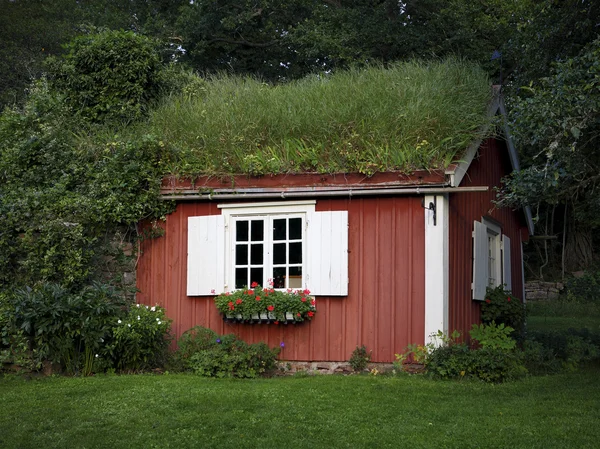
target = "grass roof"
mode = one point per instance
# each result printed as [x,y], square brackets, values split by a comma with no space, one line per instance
[409,116]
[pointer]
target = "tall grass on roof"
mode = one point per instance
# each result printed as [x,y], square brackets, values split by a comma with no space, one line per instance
[412,115]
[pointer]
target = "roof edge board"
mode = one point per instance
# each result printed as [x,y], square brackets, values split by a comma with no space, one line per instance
[459,170]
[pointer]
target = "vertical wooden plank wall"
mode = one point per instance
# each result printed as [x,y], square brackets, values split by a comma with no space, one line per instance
[384,309]
[488,168]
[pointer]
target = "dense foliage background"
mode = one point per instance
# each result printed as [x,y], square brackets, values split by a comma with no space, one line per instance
[69,121]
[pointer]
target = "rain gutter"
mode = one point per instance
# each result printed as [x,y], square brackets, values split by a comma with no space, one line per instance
[239,194]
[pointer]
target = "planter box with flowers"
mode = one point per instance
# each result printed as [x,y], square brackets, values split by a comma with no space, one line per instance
[266,305]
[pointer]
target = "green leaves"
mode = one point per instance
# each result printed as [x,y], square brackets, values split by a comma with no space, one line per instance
[110,76]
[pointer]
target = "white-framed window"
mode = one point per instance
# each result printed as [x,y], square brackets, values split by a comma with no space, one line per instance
[286,242]
[491,258]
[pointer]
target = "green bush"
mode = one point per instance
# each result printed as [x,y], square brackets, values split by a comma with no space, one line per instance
[448,361]
[208,354]
[360,358]
[571,347]
[496,360]
[50,322]
[493,336]
[502,307]
[539,359]
[139,340]
[109,75]
[584,289]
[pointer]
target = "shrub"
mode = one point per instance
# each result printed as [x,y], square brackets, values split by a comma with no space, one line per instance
[251,302]
[139,340]
[206,353]
[493,336]
[360,358]
[539,359]
[50,322]
[448,361]
[585,288]
[571,347]
[502,307]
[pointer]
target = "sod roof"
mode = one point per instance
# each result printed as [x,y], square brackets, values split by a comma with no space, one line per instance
[409,116]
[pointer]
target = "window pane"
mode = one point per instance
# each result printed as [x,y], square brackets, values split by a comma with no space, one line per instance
[241,254]
[279,253]
[296,252]
[241,231]
[257,231]
[241,277]
[279,229]
[295,278]
[279,277]
[295,228]
[256,275]
[256,254]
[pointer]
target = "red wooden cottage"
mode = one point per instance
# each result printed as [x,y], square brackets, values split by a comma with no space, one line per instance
[390,258]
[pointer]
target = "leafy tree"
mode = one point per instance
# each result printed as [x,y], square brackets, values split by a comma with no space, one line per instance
[108,76]
[557,123]
[67,185]
[31,30]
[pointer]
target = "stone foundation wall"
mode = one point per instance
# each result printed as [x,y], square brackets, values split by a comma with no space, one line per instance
[538,290]
[291,367]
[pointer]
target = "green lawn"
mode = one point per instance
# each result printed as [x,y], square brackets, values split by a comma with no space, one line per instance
[182,411]
[560,315]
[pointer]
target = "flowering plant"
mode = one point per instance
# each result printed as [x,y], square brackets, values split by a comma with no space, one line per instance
[501,307]
[258,303]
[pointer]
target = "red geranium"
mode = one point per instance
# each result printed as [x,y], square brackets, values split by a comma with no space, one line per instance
[238,301]
[254,284]
[311,313]
[258,298]
[270,308]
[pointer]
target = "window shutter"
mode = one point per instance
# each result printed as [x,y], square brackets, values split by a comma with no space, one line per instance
[206,255]
[506,273]
[327,253]
[480,261]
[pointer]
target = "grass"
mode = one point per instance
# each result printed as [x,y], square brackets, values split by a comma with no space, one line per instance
[182,411]
[411,115]
[563,314]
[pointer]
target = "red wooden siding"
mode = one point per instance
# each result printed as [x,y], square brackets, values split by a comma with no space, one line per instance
[489,166]
[384,309]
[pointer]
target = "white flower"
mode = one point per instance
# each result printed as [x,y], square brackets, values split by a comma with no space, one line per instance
[159,322]
[146,307]
[119,322]
[138,306]
[153,308]
[96,355]
[158,319]
[138,317]
[129,325]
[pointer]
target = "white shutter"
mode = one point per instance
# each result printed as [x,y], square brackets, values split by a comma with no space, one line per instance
[506,273]
[327,250]
[206,255]
[480,261]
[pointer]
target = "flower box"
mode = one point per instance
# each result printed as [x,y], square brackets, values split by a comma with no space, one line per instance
[266,305]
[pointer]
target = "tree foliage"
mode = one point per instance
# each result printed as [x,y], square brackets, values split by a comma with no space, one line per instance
[64,194]
[107,77]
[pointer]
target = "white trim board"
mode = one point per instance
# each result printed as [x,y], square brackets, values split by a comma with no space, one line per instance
[436,267]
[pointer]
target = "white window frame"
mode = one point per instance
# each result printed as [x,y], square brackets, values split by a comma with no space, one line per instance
[490,244]
[211,248]
[270,211]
